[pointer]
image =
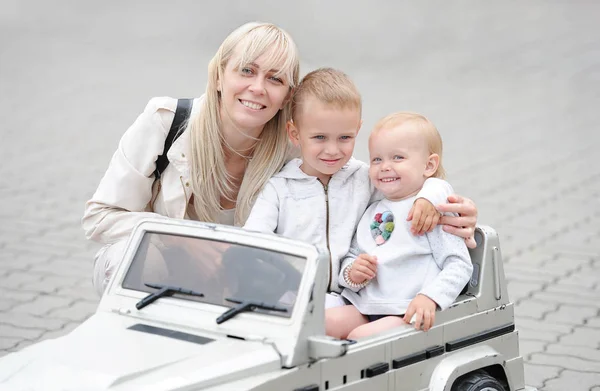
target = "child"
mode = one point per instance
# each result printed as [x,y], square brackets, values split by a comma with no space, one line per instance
[320,198]
[390,272]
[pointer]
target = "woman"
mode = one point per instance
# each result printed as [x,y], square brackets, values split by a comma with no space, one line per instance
[234,142]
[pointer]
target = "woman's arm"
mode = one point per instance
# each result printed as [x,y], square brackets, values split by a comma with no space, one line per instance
[441,195]
[126,188]
[463,222]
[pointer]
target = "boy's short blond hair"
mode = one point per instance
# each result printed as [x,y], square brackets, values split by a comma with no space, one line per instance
[424,125]
[329,86]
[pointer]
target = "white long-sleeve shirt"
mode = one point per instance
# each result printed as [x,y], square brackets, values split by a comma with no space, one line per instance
[436,264]
[296,205]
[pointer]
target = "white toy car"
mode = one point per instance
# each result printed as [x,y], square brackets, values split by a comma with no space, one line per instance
[197,306]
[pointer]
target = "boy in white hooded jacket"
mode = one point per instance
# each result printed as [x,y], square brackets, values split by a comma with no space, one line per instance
[321,197]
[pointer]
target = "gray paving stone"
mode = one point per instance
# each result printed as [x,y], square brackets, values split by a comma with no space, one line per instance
[78,312]
[537,335]
[527,347]
[9,331]
[518,290]
[531,258]
[584,353]
[17,278]
[50,283]
[524,273]
[64,268]
[571,314]
[7,342]
[534,309]
[594,322]
[17,295]
[84,293]
[561,298]
[42,305]
[537,375]
[580,279]
[573,380]
[542,325]
[6,304]
[23,320]
[582,336]
[573,290]
[568,362]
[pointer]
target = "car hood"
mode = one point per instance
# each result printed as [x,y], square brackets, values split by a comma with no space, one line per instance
[111,352]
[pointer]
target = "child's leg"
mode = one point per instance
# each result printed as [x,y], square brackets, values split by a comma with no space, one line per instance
[339,321]
[389,322]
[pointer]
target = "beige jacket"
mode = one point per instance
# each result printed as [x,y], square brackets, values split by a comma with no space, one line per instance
[128,193]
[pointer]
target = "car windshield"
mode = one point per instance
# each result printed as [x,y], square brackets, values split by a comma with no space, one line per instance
[217,269]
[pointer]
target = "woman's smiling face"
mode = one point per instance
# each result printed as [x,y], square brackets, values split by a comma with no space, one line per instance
[251,94]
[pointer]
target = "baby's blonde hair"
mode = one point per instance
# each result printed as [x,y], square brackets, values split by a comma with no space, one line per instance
[421,123]
[329,86]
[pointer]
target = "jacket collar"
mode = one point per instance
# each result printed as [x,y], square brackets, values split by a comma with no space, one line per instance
[292,170]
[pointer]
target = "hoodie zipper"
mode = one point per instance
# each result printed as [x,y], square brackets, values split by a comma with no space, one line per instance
[325,188]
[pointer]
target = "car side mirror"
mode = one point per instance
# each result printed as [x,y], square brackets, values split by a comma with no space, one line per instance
[322,346]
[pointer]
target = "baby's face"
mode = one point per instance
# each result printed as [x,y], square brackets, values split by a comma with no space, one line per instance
[326,136]
[398,161]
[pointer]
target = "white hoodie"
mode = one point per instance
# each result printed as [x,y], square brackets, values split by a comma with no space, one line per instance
[296,205]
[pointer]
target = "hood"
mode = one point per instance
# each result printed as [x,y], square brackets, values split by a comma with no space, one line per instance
[292,170]
[129,355]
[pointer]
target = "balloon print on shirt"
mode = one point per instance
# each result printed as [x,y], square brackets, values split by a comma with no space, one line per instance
[382,227]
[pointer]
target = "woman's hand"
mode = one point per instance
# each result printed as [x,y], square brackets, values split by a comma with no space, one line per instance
[462,225]
[424,217]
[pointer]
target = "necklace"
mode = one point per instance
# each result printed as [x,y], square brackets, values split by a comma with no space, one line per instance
[247,157]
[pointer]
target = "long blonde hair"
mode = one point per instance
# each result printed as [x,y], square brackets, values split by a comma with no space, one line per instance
[209,178]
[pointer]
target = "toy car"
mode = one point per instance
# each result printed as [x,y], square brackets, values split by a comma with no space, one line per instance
[196,306]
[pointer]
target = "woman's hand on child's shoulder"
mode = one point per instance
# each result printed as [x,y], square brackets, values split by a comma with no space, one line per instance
[363,268]
[424,217]
[463,224]
[423,308]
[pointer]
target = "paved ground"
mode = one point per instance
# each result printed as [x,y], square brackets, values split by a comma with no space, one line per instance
[512,87]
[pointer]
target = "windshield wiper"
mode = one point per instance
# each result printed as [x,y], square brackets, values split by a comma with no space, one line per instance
[246,305]
[164,290]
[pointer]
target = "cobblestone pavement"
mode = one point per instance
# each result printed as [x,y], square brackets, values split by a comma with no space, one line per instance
[512,87]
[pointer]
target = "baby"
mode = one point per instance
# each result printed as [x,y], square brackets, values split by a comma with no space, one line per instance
[390,274]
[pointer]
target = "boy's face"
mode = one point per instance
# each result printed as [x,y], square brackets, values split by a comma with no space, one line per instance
[400,161]
[326,137]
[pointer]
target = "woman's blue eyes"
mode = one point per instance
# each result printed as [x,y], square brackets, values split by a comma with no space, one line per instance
[249,71]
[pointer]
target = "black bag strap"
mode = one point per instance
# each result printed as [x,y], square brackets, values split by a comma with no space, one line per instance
[182,113]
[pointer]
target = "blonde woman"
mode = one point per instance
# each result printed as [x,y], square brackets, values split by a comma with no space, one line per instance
[234,141]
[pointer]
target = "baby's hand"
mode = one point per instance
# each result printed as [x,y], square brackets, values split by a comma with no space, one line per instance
[363,268]
[424,217]
[424,309]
